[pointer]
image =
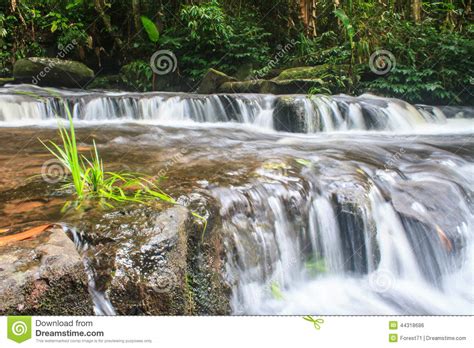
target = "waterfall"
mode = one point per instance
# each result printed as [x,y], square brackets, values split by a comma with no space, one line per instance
[369,210]
[349,237]
[23,105]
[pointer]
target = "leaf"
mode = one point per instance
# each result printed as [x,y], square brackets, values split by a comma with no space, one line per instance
[32,232]
[151,29]
[346,22]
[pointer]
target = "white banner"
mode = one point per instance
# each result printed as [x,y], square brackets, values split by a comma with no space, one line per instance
[238,332]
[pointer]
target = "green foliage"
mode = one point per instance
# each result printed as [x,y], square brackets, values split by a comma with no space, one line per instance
[242,38]
[214,39]
[433,65]
[137,76]
[347,25]
[150,28]
[91,181]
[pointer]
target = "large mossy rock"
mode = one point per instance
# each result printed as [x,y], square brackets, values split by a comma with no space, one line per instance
[43,275]
[295,86]
[251,86]
[212,81]
[141,258]
[53,72]
[312,72]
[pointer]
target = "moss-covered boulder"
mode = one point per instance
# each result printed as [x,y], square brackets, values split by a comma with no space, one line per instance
[312,72]
[106,82]
[251,86]
[325,78]
[43,275]
[295,86]
[6,80]
[53,72]
[211,82]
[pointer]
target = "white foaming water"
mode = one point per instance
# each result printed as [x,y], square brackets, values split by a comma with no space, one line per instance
[344,234]
[306,246]
[102,304]
[28,105]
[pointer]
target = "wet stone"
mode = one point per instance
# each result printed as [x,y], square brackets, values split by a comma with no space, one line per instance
[43,275]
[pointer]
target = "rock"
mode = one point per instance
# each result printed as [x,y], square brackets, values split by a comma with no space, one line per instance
[251,86]
[289,115]
[295,86]
[52,72]
[43,275]
[311,72]
[212,81]
[140,256]
[326,78]
[106,82]
[6,80]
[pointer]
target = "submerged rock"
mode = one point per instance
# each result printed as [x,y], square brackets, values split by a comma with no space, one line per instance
[43,275]
[52,72]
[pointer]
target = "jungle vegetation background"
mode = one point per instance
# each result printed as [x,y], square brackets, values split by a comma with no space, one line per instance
[431,41]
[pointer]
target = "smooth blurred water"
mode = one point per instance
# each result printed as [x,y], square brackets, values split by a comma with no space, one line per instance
[367,210]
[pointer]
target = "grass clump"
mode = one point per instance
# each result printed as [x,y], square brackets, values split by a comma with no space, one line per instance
[90,181]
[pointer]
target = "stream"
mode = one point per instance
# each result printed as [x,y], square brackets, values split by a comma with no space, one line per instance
[327,204]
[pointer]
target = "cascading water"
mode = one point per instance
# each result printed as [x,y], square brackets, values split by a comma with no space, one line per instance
[102,305]
[369,212]
[352,237]
[30,105]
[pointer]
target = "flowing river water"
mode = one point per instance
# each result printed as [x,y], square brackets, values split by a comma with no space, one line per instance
[328,205]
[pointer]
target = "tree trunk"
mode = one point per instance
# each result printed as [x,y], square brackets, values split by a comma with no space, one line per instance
[416,10]
[136,14]
[308,16]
